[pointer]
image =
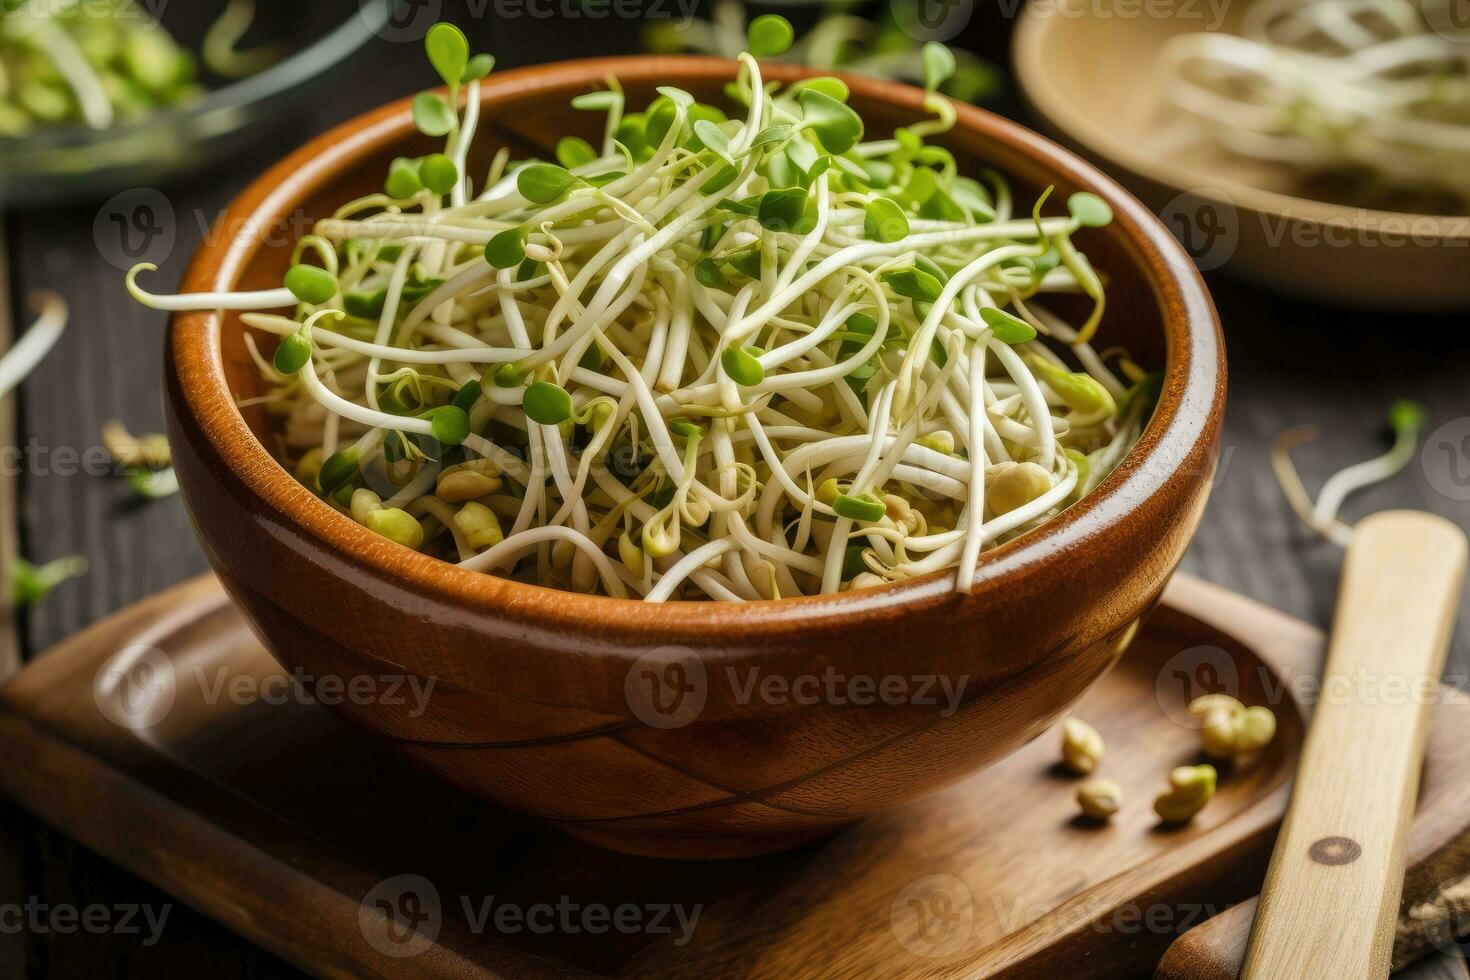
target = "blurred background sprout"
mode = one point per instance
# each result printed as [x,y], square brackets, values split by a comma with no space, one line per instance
[841,39]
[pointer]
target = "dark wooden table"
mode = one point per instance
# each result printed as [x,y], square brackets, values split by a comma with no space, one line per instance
[1290,363]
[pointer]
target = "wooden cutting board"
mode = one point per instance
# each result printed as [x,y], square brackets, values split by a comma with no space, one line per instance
[243,797]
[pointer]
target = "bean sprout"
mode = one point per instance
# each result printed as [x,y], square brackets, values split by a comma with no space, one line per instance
[731,358]
[1406,419]
[98,62]
[35,343]
[1374,86]
[840,40]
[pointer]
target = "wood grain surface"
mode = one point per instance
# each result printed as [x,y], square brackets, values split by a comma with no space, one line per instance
[953,885]
[1330,902]
[1291,363]
[187,758]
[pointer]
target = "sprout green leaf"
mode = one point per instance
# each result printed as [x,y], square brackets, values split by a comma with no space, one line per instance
[573,152]
[404,180]
[914,283]
[292,353]
[507,249]
[30,583]
[450,423]
[939,65]
[713,138]
[467,395]
[863,507]
[771,134]
[1006,328]
[596,101]
[827,85]
[504,376]
[449,52]
[742,365]
[439,173]
[432,115]
[1089,210]
[709,273]
[339,468]
[770,35]
[783,210]
[366,304]
[1406,418]
[884,221]
[542,183]
[833,122]
[311,285]
[478,67]
[547,403]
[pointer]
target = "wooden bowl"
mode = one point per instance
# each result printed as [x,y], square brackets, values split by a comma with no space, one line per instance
[692,729]
[1096,79]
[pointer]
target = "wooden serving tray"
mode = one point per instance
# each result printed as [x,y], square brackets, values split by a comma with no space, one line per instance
[298,832]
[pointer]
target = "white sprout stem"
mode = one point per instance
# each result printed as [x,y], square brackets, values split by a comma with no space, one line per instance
[33,345]
[975,506]
[518,543]
[681,569]
[1360,475]
[265,299]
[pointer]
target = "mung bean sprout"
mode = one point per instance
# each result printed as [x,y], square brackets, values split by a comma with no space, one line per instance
[840,40]
[1373,87]
[712,357]
[33,346]
[1405,419]
[99,62]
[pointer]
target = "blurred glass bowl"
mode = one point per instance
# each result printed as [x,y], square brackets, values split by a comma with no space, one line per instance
[52,164]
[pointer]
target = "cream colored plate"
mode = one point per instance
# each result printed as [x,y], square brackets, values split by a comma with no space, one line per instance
[1091,69]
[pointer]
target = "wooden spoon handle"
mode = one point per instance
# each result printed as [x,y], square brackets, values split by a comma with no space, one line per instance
[1331,896]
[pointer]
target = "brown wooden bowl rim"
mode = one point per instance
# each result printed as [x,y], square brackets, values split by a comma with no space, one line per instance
[1186,418]
[1048,102]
